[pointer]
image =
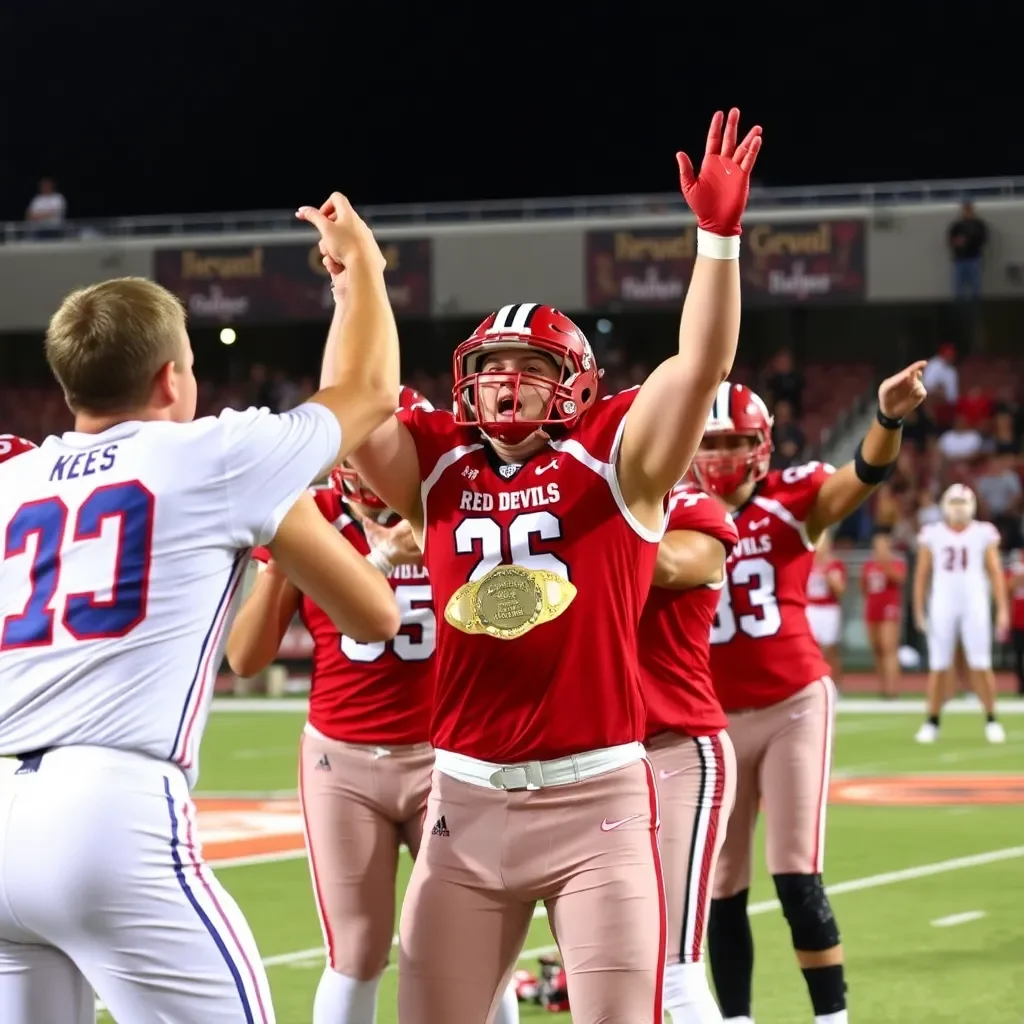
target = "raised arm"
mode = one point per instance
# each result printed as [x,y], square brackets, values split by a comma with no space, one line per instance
[326,568]
[665,423]
[852,484]
[262,621]
[360,378]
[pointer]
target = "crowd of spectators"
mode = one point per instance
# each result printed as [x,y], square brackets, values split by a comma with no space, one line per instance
[967,431]
[970,430]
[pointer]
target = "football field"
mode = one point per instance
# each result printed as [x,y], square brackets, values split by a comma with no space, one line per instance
[925,861]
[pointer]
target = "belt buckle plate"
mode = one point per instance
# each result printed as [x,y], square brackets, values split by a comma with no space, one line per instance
[509,601]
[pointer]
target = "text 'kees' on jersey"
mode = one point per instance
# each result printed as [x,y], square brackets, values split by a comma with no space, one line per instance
[762,650]
[559,522]
[123,556]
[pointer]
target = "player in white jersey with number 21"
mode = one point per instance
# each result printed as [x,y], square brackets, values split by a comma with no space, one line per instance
[125,541]
[959,557]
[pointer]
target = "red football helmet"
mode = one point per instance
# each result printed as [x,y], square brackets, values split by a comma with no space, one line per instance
[526,325]
[736,412]
[348,483]
[11,445]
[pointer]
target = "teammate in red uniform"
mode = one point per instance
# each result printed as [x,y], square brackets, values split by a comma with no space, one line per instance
[541,509]
[688,746]
[882,580]
[773,681]
[1015,588]
[12,445]
[826,584]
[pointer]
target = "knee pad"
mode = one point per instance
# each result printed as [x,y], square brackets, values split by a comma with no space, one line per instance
[807,912]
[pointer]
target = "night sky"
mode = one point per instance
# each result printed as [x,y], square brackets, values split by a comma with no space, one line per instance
[152,108]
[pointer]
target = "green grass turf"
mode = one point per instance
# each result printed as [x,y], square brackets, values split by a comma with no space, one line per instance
[901,966]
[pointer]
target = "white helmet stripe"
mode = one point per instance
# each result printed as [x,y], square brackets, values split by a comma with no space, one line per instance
[720,416]
[513,319]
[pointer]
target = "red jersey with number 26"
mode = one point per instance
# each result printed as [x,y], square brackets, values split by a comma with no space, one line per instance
[571,684]
[762,650]
[675,648]
[371,693]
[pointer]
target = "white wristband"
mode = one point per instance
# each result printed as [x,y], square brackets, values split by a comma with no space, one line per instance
[718,247]
[380,561]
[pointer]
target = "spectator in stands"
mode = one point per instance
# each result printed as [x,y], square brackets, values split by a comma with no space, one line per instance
[966,238]
[1005,439]
[788,437]
[260,390]
[783,382]
[918,427]
[961,442]
[1007,403]
[999,498]
[928,510]
[975,407]
[47,210]
[941,377]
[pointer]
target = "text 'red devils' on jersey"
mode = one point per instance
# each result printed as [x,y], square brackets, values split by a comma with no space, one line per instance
[376,693]
[675,653]
[571,684]
[762,650]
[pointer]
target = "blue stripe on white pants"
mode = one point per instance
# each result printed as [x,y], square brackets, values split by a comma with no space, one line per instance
[179,872]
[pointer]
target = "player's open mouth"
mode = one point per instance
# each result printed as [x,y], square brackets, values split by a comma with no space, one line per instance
[508,407]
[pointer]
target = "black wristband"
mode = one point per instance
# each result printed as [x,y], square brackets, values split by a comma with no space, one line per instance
[869,474]
[887,421]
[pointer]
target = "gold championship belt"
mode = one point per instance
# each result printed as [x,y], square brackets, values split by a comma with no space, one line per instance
[509,601]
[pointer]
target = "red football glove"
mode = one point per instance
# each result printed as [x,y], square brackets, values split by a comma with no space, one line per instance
[719,196]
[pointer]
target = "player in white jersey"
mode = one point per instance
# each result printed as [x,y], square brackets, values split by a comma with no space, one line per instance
[124,543]
[959,557]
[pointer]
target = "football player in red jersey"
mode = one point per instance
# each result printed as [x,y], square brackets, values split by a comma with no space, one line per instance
[12,445]
[541,508]
[689,748]
[773,680]
[826,585]
[882,580]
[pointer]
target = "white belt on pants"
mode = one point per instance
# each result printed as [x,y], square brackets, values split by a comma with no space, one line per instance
[538,774]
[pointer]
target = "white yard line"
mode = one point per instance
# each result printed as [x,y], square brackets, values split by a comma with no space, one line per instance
[854,885]
[955,919]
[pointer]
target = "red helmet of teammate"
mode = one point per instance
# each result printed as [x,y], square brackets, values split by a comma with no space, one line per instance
[347,481]
[737,414]
[526,325]
[11,445]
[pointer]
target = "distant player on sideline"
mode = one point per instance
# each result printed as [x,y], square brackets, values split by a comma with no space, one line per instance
[959,559]
[541,507]
[882,582]
[364,760]
[774,683]
[1015,587]
[686,738]
[826,585]
[125,541]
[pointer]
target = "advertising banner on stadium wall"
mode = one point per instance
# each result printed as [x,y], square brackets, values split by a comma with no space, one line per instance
[781,263]
[281,283]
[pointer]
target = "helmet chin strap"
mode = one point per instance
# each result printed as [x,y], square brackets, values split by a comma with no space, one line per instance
[521,451]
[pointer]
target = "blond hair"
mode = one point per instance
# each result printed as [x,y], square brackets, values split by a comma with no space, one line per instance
[107,342]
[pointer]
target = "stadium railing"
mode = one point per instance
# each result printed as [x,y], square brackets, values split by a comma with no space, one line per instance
[878,194]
